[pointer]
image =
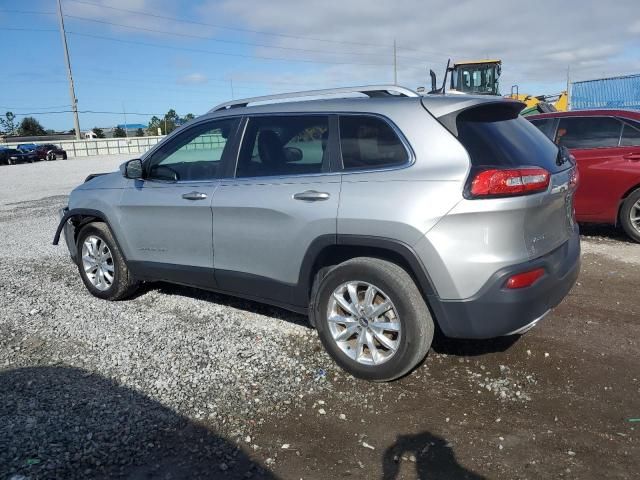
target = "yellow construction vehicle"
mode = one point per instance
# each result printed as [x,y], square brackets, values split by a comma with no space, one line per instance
[481,77]
[476,77]
[558,102]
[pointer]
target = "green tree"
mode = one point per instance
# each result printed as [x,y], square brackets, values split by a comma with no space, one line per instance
[119,132]
[8,123]
[154,124]
[98,131]
[30,127]
[139,133]
[168,123]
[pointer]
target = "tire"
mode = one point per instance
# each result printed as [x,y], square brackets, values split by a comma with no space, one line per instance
[122,283]
[630,215]
[51,156]
[408,311]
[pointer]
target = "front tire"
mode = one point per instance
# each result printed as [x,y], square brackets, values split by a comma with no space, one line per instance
[101,264]
[372,319]
[630,215]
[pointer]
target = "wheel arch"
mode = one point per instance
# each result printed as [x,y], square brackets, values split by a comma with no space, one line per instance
[330,250]
[624,196]
[80,217]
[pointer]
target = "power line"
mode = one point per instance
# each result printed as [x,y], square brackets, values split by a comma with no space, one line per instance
[28,12]
[229,54]
[247,30]
[17,29]
[233,42]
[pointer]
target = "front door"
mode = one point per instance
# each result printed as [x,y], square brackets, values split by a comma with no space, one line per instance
[167,215]
[282,199]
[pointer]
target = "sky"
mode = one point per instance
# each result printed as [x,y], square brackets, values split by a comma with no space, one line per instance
[142,57]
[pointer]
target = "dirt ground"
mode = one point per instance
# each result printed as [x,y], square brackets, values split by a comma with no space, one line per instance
[578,374]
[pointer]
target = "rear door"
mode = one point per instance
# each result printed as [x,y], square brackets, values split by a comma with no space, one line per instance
[283,197]
[594,141]
[166,216]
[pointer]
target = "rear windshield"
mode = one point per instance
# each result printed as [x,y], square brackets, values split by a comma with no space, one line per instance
[500,137]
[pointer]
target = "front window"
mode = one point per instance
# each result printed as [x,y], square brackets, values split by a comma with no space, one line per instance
[196,154]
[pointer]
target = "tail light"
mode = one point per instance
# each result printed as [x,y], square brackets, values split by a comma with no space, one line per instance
[526,279]
[509,182]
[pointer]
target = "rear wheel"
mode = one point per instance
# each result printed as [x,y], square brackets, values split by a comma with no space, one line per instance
[630,215]
[372,319]
[101,264]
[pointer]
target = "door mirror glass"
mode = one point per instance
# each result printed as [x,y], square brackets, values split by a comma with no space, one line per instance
[133,168]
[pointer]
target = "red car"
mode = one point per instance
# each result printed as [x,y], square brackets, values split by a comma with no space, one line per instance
[50,151]
[606,144]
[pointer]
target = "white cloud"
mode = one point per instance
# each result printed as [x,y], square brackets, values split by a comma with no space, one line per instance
[193,79]
[537,41]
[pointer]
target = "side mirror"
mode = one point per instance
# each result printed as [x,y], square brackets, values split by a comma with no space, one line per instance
[133,169]
[292,154]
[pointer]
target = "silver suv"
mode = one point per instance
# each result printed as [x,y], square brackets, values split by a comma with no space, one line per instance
[378,212]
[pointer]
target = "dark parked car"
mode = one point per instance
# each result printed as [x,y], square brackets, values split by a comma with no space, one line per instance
[27,147]
[50,151]
[606,145]
[11,156]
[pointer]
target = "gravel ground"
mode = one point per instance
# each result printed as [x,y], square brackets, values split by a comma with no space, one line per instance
[180,383]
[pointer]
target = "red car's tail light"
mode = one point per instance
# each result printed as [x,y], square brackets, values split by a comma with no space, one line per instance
[509,182]
[525,279]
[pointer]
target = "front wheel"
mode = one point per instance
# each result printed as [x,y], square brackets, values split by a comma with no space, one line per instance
[372,319]
[52,156]
[101,264]
[630,215]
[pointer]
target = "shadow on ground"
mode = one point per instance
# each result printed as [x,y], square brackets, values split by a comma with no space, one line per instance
[68,423]
[226,300]
[434,459]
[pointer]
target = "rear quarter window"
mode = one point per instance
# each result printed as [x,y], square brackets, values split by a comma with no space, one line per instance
[370,142]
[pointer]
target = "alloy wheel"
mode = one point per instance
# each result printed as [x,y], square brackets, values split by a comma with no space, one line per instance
[634,216]
[97,262]
[364,323]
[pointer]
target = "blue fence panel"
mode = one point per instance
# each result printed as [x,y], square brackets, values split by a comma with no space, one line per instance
[616,92]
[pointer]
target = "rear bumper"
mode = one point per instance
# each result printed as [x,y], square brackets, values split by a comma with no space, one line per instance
[496,311]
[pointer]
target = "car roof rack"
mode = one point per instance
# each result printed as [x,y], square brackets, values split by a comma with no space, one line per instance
[368,90]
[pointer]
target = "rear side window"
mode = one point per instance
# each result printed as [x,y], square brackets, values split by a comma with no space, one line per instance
[545,125]
[588,132]
[369,142]
[284,145]
[497,136]
[630,136]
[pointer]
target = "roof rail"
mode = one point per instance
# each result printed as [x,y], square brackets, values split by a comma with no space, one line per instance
[369,90]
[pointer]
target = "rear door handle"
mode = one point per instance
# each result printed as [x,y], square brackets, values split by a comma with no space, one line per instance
[632,156]
[194,196]
[311,196]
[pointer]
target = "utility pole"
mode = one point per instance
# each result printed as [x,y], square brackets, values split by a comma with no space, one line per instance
[72,93]
[395,63]
[126,127]
[568,88]
[232,92]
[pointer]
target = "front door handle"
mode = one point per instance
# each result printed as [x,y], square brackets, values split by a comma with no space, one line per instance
[632,156]
[311,196]
[194,196]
